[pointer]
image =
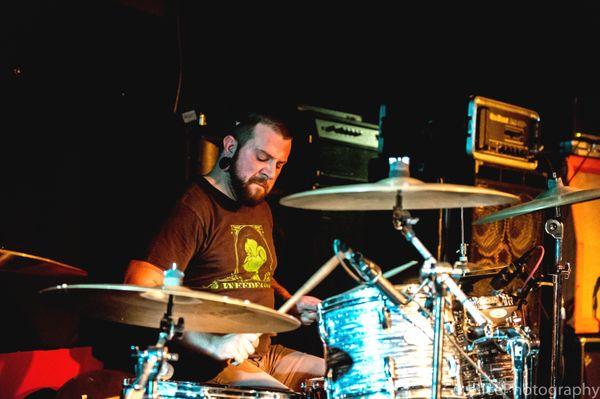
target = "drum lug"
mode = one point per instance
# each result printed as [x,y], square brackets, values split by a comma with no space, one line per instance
[390,367]
[385,318]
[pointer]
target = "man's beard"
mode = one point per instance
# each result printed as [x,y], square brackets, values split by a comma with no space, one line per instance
[242,189]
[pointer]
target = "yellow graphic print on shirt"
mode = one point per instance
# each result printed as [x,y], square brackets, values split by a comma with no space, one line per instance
[253,260]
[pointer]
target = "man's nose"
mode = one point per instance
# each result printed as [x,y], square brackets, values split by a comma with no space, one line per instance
[269,170]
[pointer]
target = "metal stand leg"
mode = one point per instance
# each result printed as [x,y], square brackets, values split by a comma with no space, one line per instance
[438,340]
[519,350]
[151,362]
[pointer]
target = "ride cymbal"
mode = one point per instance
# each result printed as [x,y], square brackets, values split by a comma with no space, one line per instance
[382,195]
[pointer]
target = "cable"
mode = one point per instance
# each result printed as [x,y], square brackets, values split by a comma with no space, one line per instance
[537,265]
[180,56]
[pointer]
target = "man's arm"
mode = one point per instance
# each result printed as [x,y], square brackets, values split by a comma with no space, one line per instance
[143,273]
[306,307]
[220,347]
[280,290]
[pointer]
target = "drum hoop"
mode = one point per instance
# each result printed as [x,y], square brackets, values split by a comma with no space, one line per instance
[224,391]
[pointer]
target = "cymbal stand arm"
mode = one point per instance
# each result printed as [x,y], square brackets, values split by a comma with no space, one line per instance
[404,222]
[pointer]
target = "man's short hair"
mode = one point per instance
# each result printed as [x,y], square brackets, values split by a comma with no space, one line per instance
[244,130]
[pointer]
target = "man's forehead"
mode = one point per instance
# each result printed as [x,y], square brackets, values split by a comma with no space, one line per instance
[268,140]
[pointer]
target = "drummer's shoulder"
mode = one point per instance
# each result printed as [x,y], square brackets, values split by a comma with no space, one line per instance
[196,199]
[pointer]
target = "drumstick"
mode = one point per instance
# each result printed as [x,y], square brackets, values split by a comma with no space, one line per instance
[311,283]
[399,269]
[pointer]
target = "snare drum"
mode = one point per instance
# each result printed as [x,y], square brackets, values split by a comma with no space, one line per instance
[188,390]
[508,356]
[375,349]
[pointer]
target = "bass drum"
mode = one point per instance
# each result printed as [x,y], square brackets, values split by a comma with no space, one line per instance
[375,349]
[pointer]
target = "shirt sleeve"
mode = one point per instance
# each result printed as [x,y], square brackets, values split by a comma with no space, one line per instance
[178,240]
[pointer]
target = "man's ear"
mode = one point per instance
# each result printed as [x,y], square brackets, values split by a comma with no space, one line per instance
[230,145]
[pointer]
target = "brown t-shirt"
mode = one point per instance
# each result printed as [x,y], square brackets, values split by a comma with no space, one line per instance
[222,246]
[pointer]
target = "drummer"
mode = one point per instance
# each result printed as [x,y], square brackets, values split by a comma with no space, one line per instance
[220,234]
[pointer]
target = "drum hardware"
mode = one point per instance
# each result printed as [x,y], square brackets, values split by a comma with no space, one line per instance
[509,356]
[555,196]
[372,275]
[437,273]
[400,193]
[531,282]
[523,353]
[313,388]
[188,390]
[140,306]
[497,327]
[440,275]
[515,269]
[153,361]
[371,359]
[555,228]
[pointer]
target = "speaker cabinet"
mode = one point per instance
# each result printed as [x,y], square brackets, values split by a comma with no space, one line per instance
[586,219]
[589,372]
[499,243]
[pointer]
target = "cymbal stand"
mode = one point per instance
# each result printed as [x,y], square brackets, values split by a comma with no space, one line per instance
[440,274]
[463,258]
[152,362]
[555,228]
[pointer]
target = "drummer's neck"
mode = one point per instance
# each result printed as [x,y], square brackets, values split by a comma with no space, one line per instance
[221,180]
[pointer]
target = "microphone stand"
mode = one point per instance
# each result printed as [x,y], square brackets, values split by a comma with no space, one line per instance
[441,275]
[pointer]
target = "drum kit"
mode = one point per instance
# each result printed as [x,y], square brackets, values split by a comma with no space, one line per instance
[427,339]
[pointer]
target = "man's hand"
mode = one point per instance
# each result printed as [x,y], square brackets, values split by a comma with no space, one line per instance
[306,308]
[233,346]
[223,347]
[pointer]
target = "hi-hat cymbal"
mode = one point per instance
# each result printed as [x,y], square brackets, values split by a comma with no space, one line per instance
[25,264]
[556,195]
[475,271]
[144,306]
[381,195]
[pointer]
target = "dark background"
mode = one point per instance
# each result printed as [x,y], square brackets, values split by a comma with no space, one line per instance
[94,149]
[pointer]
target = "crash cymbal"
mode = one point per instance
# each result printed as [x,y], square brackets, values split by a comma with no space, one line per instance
[144,306]
[556,195]
[381,195]
[25,264]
